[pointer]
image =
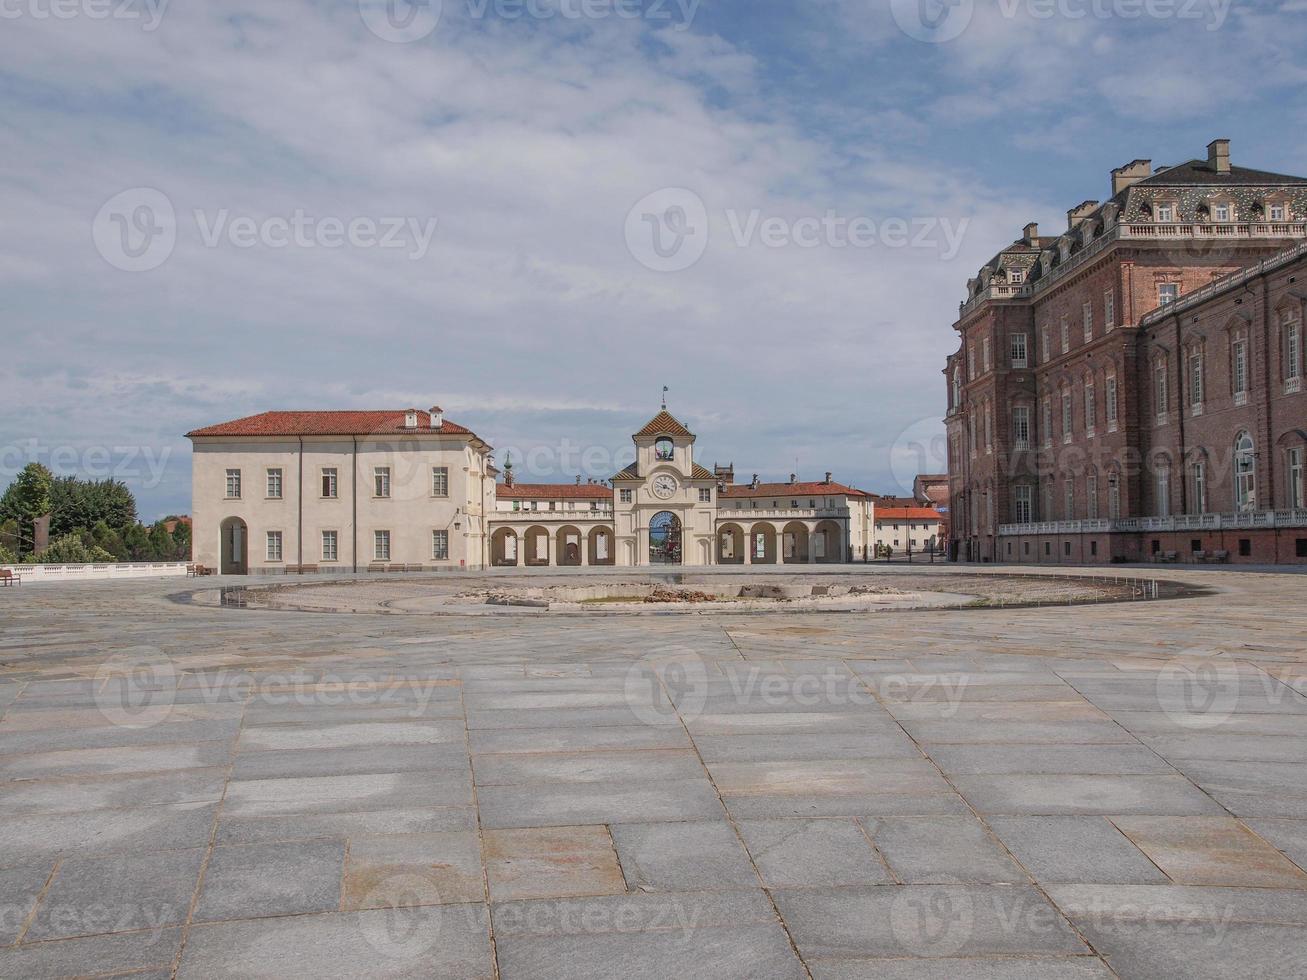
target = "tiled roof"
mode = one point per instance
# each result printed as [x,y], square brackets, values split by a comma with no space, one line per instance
[908,514]
[347,423]
[790,490]
[664,424]
[631,474]
[895,501]
[1198,172]
[553,491]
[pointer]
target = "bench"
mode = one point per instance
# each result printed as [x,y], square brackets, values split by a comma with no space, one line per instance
[9,578]
[378,568]
[1166,556]
[1217,557]
[405,568]
[301,569]
[197,569]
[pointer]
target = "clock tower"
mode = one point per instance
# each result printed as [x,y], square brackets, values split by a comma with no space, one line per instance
[664,504]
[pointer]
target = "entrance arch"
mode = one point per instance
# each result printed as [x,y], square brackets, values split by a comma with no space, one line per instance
[536,550]
[730,545]
[665,539]
[828,542]
[795,542]
[569,545]
[601,547]
[235,557]
[762,544]
[503,547]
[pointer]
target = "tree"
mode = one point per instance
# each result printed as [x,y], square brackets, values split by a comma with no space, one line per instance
[136,542]
[160,542]
[109,540]
[7,557]
[181,542]
[28,498]
[69,550]
[79,504]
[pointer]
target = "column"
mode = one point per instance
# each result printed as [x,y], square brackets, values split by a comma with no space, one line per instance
[747,539]
[585,548]
[812,546]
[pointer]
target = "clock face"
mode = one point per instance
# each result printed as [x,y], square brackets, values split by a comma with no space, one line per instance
[664,486]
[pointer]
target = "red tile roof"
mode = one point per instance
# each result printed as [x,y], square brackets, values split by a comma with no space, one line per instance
[908,514]
[790,490]
[347,423]
[664,424]
[553,491]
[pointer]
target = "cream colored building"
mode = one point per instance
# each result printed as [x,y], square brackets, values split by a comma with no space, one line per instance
[908,529]
[410,490]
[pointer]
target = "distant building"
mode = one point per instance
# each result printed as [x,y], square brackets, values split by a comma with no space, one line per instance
[904,529]
[1133,386]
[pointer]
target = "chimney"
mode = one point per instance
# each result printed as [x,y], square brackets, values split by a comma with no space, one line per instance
[578,481]
[411,419]
[437,417]
[1079,213]
[794,478]
[827,480]
[754,484]
[1131,173]
[1218,156]
[1030,234]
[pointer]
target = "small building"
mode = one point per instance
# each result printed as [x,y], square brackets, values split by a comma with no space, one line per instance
[908,529]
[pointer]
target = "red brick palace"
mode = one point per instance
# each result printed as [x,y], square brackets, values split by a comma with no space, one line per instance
[1132,389]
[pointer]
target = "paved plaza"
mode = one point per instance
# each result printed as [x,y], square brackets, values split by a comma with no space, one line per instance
[1060,791]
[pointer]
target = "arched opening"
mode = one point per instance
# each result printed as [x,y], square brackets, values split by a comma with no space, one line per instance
[762,544]
[536,552]
[503,547]
[601,547]
[1245,473]
[730,545]
[665,539]
[828,542]
[234,559]
[794,542]
[568,543]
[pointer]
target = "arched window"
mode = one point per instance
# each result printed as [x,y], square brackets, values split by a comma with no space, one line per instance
[1245,473]
[1114,496]
[957,386]
[664,449]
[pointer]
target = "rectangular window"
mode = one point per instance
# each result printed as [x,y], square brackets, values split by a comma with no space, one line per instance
[1221,214]
[705,495]
[1066,333]
[440,481]
[1024,513]
[1292,351]
[1111,401]
[1109,310]
[1090,408]
[274,546]
[233,484]
[329,546]
[971,361]
[1091,496]
[1277,212]
[989,429]
[1087,312]
[624,496]
[1200,488]
[1160,393]
[1066,416]
[274,484]
[1240,374]
[1019,359]
[1043,342]
[381,481]
[1164,492]
[329,482]
[1048,420]
[985,348]
[1196,380]
[1016,276]
[1297,490]
[1166,214]
[1167,292]
[381,545]
[1069,501]
[440,545]
[1021,427]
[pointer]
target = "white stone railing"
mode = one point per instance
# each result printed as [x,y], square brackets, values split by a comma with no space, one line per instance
[1180,522]
[108,570]
[795,513]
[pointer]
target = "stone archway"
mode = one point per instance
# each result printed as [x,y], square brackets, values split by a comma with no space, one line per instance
[235,547]
[828,542]
[568,545]
[536,542]
[600,545]
[504,547]
[795,543]
[762,543]
[665,539]
[730,545]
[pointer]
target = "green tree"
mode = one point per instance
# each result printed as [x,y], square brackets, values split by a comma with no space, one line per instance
[77,504]
[136,542]
[109,540]
[9,536]
[27,498]
[181,542]
[7,557]
[69,550]
[160,542]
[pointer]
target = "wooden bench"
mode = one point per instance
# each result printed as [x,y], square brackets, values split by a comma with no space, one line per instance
[1166,556]
[9,578]
[301,569]
[378,568]
[1216,557]
[198,569]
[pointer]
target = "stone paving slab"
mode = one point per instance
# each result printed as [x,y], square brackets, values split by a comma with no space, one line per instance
[919,796]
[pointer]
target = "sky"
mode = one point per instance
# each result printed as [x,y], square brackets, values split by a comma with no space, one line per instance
[538,213]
